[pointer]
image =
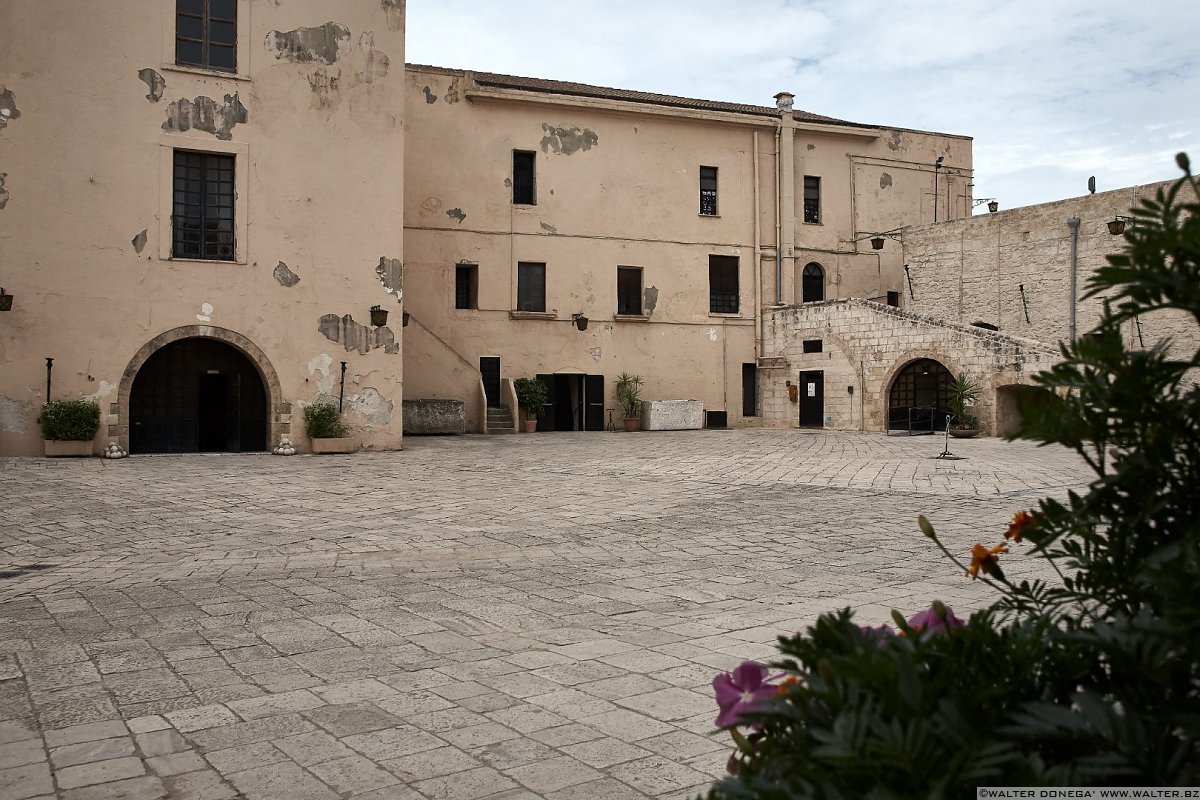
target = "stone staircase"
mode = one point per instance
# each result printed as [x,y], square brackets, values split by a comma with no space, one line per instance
[499,420]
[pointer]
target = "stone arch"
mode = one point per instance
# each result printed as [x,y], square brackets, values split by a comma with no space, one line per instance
[898,367]
[1008,414]
[812,283]
[278,412]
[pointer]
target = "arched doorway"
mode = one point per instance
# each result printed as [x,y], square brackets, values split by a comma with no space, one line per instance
[198,394]
[812,283]
[1010,400]
[920,390]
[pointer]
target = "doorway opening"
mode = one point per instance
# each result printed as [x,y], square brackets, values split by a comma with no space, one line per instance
[489,369]
[919,397]
[198,395]
[812,399]
[574,402]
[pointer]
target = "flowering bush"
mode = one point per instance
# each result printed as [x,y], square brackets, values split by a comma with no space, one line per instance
[1090,679]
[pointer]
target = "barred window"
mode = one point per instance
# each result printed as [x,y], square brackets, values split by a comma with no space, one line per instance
[206,34]
[629,290]
[708,191]
[723,284]
[202,214]
[531,286]
[812,199]
[466,277]
[524,180]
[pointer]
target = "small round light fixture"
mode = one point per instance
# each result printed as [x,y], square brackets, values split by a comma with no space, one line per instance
[877,243]
[378,316]
[1116,226]
[993,206]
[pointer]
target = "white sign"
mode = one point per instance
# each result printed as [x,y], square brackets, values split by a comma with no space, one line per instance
[812,390]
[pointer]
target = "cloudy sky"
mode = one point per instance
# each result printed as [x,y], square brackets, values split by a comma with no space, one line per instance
[1051,90]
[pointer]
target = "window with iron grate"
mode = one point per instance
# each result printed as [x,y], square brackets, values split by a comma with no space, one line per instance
[812,200]
[531,286]
[708,191]
[723,284]
[629,291]
[524,179]
[202,212]
[466,280]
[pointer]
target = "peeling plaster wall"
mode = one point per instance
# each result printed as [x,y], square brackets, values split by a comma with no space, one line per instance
[317,197]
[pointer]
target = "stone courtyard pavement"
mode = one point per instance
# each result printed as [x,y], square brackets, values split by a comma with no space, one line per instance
[505,617]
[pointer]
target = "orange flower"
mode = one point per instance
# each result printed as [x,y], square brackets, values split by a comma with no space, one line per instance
[1022,520]
[985,559]
[788,683]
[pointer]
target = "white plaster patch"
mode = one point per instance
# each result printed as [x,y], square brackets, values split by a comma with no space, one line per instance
[595,351]
[322,364]
[712,334]
[105,390]
[205,314]
[14,415]
[374,409]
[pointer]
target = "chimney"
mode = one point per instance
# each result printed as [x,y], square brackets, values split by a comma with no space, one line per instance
[783,102]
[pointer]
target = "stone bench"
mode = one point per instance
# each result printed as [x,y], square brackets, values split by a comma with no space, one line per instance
[431,417]
[672,415]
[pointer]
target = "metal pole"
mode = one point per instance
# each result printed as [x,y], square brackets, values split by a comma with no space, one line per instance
[342,388]
[936,168]
[1073,224]
[49,366]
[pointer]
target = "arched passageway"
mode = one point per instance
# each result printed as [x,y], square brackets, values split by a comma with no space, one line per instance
[1009,400]
[198,394]
[920,391]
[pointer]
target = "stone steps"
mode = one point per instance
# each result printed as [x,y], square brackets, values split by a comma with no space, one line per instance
[499,421]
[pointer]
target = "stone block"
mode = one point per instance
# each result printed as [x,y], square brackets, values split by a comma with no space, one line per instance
[432,417]
[672,415]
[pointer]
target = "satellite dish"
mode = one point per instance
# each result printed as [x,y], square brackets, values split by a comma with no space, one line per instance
[1092,185]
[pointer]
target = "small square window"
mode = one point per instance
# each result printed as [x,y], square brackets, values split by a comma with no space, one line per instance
[723,284]
[629,291]
[708,191]
[202,212]
[812,345]
[524,183]
[206,34]
[531,286]
[893,299]
[812,199]
[466,286]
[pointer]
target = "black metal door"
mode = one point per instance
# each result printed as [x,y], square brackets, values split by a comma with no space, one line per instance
[593,390]
[564,402]
[212,406]
[812,399]
[489,368]
[546,417]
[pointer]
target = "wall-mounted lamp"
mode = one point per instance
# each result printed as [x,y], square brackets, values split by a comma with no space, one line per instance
[1117,225]
[992,204]
[5,300]
[580,321]
[378,316]
[877,239]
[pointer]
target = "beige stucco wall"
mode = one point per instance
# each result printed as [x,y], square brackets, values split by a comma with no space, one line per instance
[88,166]
[617,185]
[972,270]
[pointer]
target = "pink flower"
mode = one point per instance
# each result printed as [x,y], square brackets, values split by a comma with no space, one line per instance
[879,632]
[938,618]
[741,691]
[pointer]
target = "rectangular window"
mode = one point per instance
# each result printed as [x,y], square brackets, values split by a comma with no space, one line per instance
[708,191]
[893,299]
[531,286]
[812,199]
[523,178]
[466,282]
[629,290]
[812,345]
[749,390]
[206,34]
[202,210]
[723,284]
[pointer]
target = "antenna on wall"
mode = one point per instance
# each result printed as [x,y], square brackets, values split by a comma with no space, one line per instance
[1092,185]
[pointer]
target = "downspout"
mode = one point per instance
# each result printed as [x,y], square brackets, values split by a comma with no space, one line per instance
[778,217]
[758,315]
[1073,224]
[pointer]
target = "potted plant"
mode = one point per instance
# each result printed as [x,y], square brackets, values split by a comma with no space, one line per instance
[963,394]
[629,388]
[68,426]
[531,396]
[324,425]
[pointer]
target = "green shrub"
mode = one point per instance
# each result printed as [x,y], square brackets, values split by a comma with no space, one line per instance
[531,395]
[69,420]
[629,389]
[323,421]
[1089,679]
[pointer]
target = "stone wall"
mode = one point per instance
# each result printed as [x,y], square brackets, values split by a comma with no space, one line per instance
[974,270]
[864,345]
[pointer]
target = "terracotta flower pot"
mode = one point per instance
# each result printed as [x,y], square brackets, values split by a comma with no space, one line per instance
[68,447]
[529,425]
[964,433]
[346,444]
[632,424]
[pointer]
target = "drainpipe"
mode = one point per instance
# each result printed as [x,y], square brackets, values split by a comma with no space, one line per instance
[778,218]
[758,313]
[1073,224]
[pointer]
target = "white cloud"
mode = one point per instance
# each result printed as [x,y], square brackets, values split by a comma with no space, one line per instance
[1052,90]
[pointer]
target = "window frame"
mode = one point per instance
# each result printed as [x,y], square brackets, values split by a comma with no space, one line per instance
[471,271]
[718,284]
[624,310]
[815,217]
[168,144]
[208,223]
[714,191]
[805,282]
[205,40]
[517,183]
[525,267]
